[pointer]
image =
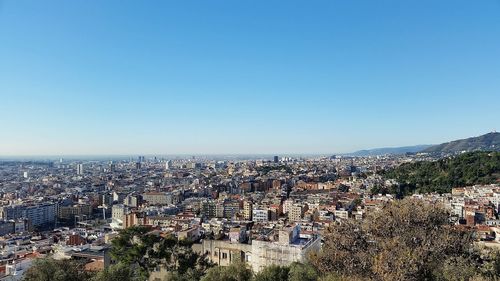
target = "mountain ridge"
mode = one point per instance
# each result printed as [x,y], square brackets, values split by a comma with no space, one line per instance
[390,150]
[489,141]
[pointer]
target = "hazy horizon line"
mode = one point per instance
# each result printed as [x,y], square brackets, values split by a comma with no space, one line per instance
[187,155]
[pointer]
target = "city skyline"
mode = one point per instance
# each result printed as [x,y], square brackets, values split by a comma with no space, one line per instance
[222,77]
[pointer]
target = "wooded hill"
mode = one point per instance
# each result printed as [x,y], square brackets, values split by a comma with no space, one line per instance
[441,176]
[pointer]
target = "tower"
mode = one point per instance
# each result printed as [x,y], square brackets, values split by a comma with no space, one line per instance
[112,166]
[79,169]
[168,165]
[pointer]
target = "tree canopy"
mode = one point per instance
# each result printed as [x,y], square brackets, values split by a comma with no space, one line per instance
[233,272]
[406,240]
[441,176]
[144,251]
[56,270]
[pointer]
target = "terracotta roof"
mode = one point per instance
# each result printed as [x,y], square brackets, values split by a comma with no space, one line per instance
[483,228]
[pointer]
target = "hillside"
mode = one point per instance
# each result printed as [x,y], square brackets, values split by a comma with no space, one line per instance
[389,150]
[487,142]
[441,176]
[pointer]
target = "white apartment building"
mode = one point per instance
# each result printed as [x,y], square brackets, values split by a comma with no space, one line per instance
[38,214]
[260,214]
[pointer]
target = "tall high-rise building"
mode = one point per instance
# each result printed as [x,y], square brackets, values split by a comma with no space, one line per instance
[247,210]
[276,159]
[112,166]
[168,165]
[208,209]
[79,169]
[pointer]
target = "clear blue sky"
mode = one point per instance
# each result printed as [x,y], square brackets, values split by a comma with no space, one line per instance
[168,77]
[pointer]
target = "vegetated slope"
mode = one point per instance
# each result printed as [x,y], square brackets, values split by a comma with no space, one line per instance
[489,142]
[441,176]
[390,150]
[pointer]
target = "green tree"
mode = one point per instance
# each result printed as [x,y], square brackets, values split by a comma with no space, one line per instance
[273,273]
[302,272]
[441,176]
[48,269]
[117,272]
[189,275]
[233,272]
[144,251]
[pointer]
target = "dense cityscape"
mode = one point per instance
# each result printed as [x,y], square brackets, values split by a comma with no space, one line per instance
[262,211]
[216,140]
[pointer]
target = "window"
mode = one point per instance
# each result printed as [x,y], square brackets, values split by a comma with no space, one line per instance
[224,255]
